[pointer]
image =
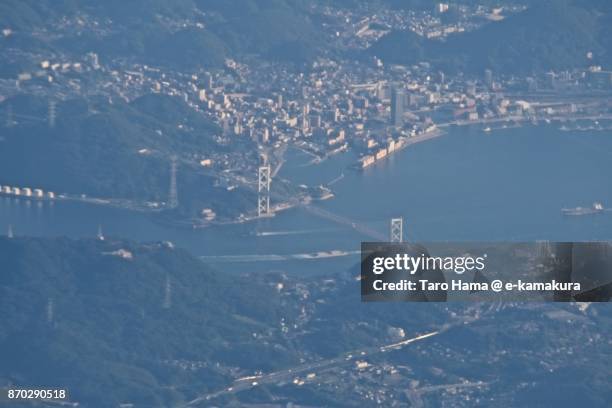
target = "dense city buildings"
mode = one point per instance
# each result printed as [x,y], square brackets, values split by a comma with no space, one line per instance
[215,166]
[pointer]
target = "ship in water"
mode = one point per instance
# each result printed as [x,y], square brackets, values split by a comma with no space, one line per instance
[596,208]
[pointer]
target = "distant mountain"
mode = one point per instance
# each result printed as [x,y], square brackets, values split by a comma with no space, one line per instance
[277,29]
[112,321]
[190,34]
[186,34]
[400,47]
[549,35]
[97,151]
[118,149]
[115,322]
[118,322]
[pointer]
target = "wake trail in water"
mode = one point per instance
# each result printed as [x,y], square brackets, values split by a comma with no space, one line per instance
[294,232]
[274,257]
[337,179]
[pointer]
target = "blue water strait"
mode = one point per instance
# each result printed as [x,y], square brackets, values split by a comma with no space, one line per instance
[509,184]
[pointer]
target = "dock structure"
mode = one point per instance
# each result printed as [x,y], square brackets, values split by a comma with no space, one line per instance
[397,230]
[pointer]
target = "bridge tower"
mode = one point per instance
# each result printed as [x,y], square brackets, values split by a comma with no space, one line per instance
[397,230]
[263,190]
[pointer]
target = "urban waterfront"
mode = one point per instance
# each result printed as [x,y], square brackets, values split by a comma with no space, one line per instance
[509,184]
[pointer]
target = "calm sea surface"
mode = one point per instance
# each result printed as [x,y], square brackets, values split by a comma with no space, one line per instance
[509,184]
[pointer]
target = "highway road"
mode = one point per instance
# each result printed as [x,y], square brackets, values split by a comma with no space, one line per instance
[288,375]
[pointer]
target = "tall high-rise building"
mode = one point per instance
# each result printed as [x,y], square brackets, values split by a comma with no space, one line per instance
[207,81]
[551,80]
[397,107]
[488,78]
[442,8]
[441,77]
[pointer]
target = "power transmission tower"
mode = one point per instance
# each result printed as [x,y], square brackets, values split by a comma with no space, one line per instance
[173,195]
[544,254]
[9,116]
[544,249]
[397,233]
[50,311]
[168,294]
[226,127]
[263,190]
[51,117]
[100,234]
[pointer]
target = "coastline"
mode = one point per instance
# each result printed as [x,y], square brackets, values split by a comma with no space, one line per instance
[396,146]
[159,214]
